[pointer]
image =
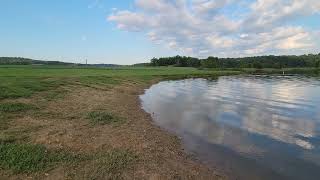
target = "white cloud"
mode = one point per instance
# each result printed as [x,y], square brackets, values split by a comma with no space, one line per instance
[272,13]
[130,21]
[207,7]
[202,27]
[242,36]
[221,42]
[296,41]
[151,5]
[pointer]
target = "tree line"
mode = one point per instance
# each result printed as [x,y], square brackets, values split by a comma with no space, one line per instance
[310,60]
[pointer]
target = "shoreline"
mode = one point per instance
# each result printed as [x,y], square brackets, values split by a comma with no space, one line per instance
[177,142]
[61,124]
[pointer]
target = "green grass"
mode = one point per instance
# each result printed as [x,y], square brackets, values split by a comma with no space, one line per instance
[103,118]
[99,80]
[111,165]
[15,107]
[27,158]
[15,87]
[66,71]
[54,94]
[24,81]
[27,81]
[27,71]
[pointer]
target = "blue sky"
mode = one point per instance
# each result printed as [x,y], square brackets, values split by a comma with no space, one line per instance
[131,31]
[70,30]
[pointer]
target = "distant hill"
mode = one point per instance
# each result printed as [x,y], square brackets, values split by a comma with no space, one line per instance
[27,61]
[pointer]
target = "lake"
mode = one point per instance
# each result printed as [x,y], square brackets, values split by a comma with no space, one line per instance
[250,127]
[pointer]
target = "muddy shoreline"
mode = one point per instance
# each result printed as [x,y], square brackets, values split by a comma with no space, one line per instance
[199,169]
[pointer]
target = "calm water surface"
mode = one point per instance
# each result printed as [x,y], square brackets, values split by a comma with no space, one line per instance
[251,127]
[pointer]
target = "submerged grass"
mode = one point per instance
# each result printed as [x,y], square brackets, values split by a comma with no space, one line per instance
[103,118]
[15,107]
[27,158]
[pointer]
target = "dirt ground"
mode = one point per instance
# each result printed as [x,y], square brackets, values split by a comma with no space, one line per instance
[61,123]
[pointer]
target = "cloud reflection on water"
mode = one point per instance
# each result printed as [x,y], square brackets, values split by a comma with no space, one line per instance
[228,111]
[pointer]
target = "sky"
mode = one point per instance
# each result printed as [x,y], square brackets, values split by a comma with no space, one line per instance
[133,31]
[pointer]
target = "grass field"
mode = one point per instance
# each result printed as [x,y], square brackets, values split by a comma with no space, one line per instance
[85,123]
[23,81]
[60,71]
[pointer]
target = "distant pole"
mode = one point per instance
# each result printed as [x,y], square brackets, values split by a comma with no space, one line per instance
[86,61]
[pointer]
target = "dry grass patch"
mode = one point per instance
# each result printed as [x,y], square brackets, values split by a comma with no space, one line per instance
[110,165]
[15,107]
